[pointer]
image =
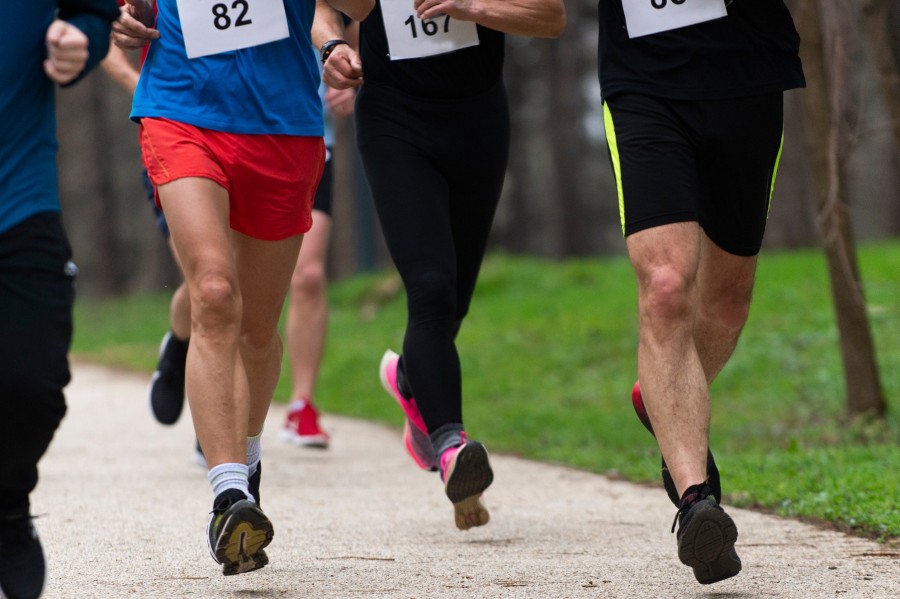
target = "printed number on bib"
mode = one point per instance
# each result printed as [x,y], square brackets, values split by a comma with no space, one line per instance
[215,26]
[409,36]
[644,17]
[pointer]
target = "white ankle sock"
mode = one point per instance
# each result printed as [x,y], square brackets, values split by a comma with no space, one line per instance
[229,476]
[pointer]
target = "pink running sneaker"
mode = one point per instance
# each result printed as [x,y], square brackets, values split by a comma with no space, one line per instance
[415,433]
[302,426]
[637,400]
[466,472]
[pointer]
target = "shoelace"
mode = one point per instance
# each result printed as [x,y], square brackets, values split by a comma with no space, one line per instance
[692,495]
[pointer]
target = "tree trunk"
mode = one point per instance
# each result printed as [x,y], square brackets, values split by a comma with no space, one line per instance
[825,104]
[875,28]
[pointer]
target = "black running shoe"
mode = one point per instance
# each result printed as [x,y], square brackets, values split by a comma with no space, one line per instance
[706,537]
[167,384]
[712,471]
[22,568]
[238,532]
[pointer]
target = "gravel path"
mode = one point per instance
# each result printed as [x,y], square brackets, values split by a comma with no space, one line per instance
[124,510]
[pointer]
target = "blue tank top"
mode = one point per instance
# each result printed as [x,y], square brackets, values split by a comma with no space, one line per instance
[271,88]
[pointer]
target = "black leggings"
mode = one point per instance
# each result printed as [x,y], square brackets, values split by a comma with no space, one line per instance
[436,171]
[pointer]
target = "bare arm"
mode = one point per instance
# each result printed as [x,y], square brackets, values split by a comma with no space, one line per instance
[343,69]
[120,69]
[355,9]
[537,18]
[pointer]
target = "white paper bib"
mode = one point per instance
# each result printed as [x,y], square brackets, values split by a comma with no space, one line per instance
[214,26]
[409,36]
[644,17]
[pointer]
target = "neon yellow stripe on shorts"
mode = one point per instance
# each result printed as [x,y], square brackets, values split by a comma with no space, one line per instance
[775,171]
[617,165]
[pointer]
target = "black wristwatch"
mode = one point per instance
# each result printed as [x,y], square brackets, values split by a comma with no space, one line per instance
[328,47]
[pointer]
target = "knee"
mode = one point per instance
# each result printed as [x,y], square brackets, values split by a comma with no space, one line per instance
[309,281]
[432,296]
[217,302]
[666,295]
[729,309]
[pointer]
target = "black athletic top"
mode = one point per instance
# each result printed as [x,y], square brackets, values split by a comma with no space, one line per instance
[454,75]
[754,50]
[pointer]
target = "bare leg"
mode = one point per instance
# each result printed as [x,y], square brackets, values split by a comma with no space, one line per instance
[307,317]
[666,261]
[216,384]
[725,286]
[694,299]
[180,306]
[264,290]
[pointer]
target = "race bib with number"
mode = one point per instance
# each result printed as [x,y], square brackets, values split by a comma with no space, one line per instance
[409,36]
[644,17]
[214,26]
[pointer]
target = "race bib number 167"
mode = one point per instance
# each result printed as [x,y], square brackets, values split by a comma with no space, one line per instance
[215,26]
[410,37]
[645,17]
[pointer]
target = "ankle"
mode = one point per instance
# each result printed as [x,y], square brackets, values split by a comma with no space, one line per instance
[447,437]
[694,494]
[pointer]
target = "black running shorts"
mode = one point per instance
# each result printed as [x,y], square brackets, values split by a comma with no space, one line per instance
[322,200]
[712,162]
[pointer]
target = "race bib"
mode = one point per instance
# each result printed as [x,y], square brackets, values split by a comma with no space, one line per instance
[643,17]
[409,36]
[214,26]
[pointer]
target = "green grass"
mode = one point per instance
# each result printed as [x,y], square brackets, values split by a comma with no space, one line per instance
[548,356]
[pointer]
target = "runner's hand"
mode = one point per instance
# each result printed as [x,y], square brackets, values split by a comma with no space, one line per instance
[340,101]
[343,69]
[458,9]
[134,29]
[67,52]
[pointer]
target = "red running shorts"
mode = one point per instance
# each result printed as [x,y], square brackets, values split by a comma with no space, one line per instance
[271,180]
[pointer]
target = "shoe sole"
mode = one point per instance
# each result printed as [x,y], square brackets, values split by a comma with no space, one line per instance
[468,475]
[313,441]
[707,545]
[239,547]
[414,438]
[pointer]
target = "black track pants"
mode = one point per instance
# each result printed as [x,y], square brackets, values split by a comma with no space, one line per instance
[36,298]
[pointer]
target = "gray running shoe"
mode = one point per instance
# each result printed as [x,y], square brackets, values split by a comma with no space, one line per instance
[238,532]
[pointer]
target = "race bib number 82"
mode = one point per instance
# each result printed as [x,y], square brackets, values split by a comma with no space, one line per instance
[645,17]
[215,26]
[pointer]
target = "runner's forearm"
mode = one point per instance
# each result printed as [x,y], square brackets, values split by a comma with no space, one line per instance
[538,18]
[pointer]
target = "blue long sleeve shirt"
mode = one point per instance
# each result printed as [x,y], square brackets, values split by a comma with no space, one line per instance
[28,180]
